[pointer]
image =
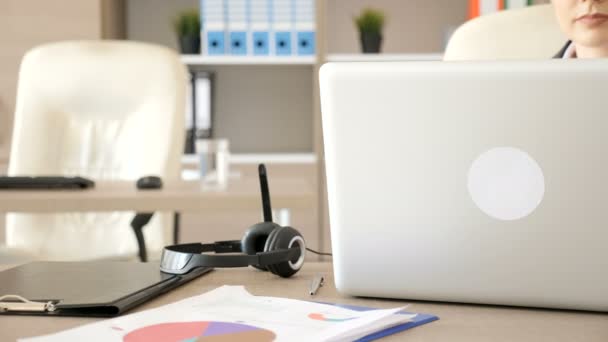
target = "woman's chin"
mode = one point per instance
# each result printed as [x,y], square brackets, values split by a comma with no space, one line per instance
[591,37]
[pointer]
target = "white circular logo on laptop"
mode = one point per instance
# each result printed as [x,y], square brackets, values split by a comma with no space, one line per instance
[506,183]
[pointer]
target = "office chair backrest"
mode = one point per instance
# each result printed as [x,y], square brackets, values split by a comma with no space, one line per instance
[108,110]
[527,33]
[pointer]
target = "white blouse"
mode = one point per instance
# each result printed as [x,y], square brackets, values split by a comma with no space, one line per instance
[570,51]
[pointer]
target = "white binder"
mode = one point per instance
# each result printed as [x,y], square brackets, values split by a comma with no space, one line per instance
[203,103]
[283,26]
[305,27]
[237,11]
[488,6]
[213,23]
[510,4]
[259,27]
[200,100]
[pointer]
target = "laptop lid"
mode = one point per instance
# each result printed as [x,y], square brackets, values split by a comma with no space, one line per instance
[479,182]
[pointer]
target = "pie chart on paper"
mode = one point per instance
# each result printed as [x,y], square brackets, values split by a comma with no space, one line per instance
[199,331]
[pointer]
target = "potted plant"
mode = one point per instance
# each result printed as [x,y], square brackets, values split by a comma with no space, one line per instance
[188,29]
[370,24]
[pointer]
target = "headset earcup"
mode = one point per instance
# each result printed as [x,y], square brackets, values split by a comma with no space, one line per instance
[270,242]
[280,239]
[254,240]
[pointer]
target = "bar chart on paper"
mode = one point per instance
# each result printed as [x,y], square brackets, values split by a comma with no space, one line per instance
[199,331]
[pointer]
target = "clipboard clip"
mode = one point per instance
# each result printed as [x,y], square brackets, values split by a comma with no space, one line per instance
[18,303]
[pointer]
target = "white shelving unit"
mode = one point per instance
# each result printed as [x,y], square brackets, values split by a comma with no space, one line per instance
[245,92]
[384,57]
[247,60]
[269,158]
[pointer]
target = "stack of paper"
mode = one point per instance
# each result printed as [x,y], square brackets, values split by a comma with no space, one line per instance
[231,313]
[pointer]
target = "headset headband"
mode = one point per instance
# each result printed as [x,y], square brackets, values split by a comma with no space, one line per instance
[181,259]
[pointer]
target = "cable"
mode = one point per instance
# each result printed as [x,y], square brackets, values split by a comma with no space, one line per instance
[319,253]
[141,244]
[138,223]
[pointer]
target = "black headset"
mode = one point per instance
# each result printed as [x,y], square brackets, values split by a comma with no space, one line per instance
[266,246]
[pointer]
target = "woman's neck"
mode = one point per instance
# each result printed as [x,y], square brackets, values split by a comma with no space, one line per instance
[591,51]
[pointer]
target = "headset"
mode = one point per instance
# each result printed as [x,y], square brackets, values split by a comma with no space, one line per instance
[266,246]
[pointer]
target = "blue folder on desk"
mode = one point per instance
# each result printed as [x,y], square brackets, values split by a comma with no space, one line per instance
[419,319]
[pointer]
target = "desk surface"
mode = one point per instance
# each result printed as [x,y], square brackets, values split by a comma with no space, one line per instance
[178,196]
[458,322]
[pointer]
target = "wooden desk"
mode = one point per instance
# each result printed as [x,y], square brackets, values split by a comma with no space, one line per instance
[458,322]
[179,196]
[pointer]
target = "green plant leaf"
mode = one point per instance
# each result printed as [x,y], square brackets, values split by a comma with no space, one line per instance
[187,23]
[370,20]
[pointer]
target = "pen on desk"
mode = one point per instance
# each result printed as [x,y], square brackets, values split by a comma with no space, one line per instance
[317,282]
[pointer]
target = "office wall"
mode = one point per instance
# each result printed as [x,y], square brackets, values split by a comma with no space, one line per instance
[412,26]
[264,108]
[150,20]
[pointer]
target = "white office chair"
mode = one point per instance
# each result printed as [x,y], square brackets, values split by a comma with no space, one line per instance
[107,110]
[526,33]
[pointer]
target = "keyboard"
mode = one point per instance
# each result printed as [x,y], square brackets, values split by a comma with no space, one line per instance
[45,182]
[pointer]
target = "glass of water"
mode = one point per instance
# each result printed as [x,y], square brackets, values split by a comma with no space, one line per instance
[214,163]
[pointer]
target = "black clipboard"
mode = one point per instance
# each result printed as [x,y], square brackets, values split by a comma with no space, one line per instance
[92,289]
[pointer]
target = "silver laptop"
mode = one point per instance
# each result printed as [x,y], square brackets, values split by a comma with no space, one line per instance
[481,182]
